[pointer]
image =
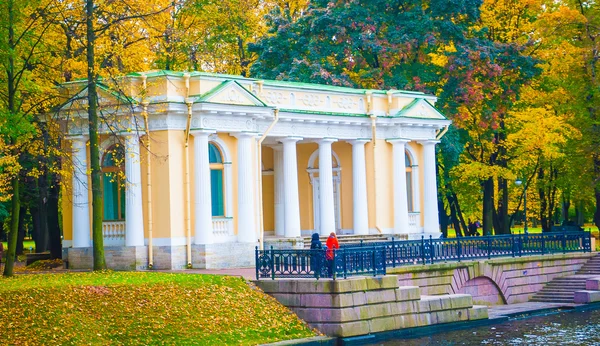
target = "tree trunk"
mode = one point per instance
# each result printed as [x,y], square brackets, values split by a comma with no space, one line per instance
[566,204]
[543,201]
[443,218]
[22,230]
[597,212]
[54,238]
[488,206]
[14,229]
[502,222]
[92,98]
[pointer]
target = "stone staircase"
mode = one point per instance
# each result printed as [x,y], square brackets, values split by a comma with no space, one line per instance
[562,289]
[353,239]
[591,267]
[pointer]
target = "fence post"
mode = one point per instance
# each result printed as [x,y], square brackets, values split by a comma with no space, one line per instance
[256,261]
[344,261]
[384,262]
[543,243]
[333,269]
[489,246]
[374,263]
[431,249]
[423,249]
[520,245]
[564,242]
[394,254]
[458,248]
[589,241]
[272,263]
[512,245]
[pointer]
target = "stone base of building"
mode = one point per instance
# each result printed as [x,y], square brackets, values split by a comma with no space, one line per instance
[284,243]
[117,257]
[368,305]
[225,255]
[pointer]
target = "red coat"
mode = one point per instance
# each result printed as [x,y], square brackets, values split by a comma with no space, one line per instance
[332,243]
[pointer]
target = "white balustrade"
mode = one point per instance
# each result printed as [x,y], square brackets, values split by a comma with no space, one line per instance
[114,233]
[222,229]
[413,220]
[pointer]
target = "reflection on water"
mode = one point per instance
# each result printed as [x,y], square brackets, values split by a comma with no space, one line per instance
[566,328]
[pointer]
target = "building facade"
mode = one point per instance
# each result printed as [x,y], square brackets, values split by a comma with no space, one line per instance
[198,169]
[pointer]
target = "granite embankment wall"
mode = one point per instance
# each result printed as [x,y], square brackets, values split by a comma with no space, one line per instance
[491,282]
[366,305]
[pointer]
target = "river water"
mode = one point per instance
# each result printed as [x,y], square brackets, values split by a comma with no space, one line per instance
[565,328]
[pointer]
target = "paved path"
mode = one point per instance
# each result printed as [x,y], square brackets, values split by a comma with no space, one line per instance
[246,273]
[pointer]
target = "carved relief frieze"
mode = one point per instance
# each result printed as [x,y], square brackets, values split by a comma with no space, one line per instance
[312,100]
[274,97]
[346,102]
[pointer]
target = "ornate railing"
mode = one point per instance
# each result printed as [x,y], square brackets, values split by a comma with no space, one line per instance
[113,233]
[222,227]
[413,219]
[314,263]
[373,258]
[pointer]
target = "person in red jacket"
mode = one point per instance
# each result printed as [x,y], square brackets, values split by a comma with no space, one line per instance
[332,244]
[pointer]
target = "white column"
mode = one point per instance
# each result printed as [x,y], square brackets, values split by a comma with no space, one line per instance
[430,208]
[359,188]
[81,206]
[279,186]
[291,205]
[327,209]
[134,216]
[400,195]
[203,231]
[245,217]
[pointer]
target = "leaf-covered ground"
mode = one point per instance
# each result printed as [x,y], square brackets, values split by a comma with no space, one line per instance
[135,308]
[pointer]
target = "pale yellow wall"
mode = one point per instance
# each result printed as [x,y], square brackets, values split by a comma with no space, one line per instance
[67,199]
[175,183]
[384,184]
[268,190]
[344,151]
[161,204]
[304,187]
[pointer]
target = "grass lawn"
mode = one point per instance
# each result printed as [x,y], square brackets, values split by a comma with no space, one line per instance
[141,308]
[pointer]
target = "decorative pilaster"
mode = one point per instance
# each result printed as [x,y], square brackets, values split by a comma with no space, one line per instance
[430,211]
[359,188]
[327,209]
[203,230]
[279,186]
[400,195]
[291,205]
[246,212]
[134,219]
[81,206]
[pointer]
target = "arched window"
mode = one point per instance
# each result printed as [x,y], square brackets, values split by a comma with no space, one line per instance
[113,186]
[409,183]
[216,180]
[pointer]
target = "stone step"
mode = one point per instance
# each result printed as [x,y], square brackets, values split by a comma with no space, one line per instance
[541,300]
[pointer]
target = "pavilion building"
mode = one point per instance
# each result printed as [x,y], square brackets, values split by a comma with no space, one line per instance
[198,169]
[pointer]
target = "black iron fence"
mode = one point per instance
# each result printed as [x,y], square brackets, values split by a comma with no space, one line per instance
[374,258]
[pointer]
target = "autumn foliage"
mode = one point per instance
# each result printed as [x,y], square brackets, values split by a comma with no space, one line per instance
[115,308]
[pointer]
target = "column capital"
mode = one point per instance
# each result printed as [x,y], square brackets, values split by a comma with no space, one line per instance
[78,138]
[202,132]
[240,135]
[133,133]
[429,142]
[326,140]
[290,139]
[276,147]
[397,140]
[358,141]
